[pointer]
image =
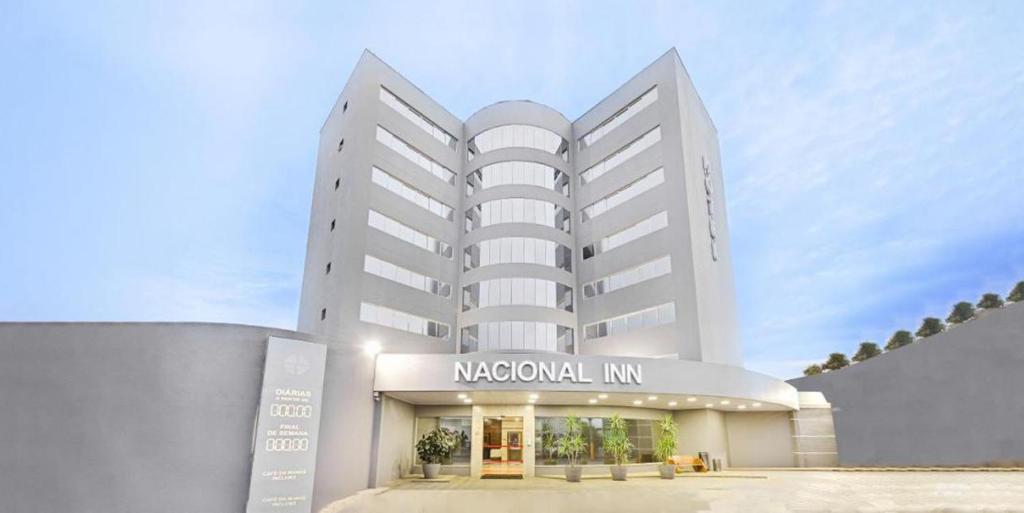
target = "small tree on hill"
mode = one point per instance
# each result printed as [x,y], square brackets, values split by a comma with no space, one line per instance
[836,361]
[930,326]
[962,312]
[866,350]
[990,300]
[1017,294]
[813,370]
[899,339]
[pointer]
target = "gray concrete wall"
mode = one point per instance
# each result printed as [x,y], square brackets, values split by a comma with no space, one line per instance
[111,417]
[950,399]
[760,439]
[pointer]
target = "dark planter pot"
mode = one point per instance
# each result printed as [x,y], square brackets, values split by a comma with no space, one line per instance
[431,470]
[618,472]
[573,474]
[667,471]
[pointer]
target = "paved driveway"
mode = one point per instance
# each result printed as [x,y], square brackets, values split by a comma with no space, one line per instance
[743,492]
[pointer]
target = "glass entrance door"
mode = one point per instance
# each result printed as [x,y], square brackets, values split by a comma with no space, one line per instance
[502,448]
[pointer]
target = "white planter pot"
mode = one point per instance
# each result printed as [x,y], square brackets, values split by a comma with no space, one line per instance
[667,471]
[431,470]
[573,474]
[618,472]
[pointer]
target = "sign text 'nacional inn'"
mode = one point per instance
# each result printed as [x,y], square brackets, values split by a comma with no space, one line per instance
[529,371]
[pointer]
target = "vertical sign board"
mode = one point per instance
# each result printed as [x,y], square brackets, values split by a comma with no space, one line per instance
[284,456]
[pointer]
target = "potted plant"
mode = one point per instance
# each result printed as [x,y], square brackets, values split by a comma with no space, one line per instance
[571,445]
[666,447]
[547,443]
[433,448]
[618,446]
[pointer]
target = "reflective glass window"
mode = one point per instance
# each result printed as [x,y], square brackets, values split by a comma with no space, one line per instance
[641,432]
[415,156]
[517,172]
[391,318]
[417,118]
[622,279]
[627,235]
[413,195]
[619,117]
[517,336]
[621,155]
[403,276]
[517,291]
[398,230]
[634,189]
[517,136]
[518,210]
[654,316]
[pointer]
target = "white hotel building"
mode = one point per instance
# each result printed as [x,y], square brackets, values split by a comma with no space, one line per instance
[515,267]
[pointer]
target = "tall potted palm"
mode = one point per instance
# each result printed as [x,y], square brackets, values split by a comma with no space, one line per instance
[666,446]
[617,445]
[571,445]
[547,443]
[434,447]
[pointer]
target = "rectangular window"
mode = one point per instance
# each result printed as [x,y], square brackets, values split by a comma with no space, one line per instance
[412,236]
[645,227]
[415,156]
[417,118]
[619,117]
[621,155]
[633,321]
[638,187]
[390,318]
[403,276]
[385,180]
[623,279]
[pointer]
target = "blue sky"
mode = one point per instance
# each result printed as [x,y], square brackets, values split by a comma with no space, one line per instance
[157,159]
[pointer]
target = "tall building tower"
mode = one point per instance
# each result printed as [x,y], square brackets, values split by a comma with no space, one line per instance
[518,230]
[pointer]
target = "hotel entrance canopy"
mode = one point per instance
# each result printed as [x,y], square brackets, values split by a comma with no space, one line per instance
[543,378]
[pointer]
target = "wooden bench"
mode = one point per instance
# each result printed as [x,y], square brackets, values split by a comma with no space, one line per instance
[693,462]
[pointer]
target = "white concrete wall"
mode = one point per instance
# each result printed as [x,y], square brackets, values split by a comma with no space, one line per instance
[395,454]
[760,439]
[703,431]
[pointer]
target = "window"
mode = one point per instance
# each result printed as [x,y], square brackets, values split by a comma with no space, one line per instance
[517,136]
[385,180]
[323,313]
[642,432]
[398,230]
[461,426]
[416,117]
[518,210]
[403,276]
[344,107]
[654,316]
[337,183]
[328,269]
[638,187]
[517,250]
[390,318]
[415,156]
[619,118]
[516,336]
[517,173]
[333,221]
[517,291]
[623,154]
[623,279]
[341,144]
[645,227]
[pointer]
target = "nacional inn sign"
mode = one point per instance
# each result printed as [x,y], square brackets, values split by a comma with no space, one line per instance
[529,371]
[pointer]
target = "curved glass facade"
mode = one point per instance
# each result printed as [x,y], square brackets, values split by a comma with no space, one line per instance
[518,292]
[516,336]
[516,172]
[517,250]
[518,136]
[518,210]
